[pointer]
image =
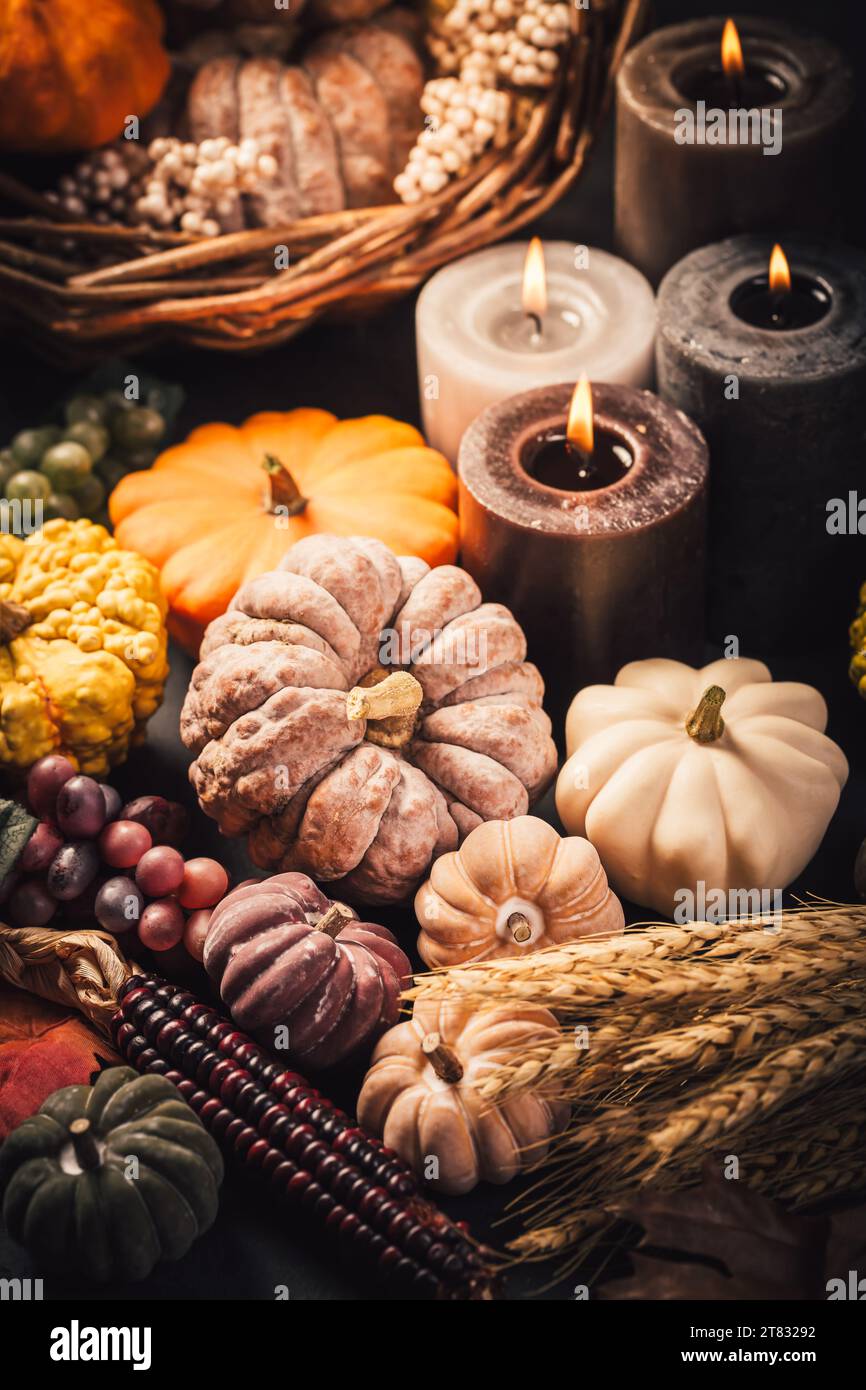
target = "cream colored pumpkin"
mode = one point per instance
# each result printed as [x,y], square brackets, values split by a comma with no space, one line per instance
[421,1094]
[512,887]
[718,776]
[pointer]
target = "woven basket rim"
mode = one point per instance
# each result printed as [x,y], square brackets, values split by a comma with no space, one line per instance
[348,263]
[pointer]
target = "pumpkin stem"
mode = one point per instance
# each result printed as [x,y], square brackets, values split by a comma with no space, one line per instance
[390,706]
[706,723]
[281,490]
[519,927]
[14,618]
[84,1144]
[335,919]
[442,1058]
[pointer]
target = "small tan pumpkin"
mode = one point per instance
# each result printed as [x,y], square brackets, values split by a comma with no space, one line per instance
[512,887]
[421,1094]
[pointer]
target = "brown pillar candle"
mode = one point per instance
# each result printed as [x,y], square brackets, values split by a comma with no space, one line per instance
[595,543]
[703,153]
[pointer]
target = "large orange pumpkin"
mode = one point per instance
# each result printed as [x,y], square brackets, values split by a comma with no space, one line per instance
[71,71]
[228,503]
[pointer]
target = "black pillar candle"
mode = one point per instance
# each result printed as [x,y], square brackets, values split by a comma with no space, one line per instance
[673,193]
[601,569]
[777,382]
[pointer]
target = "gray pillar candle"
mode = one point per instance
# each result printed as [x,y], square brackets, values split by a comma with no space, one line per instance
[671,197]
[783,409]
[600,558]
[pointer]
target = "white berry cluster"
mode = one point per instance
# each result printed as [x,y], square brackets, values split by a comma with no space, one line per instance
[482,48]
[195,187]
[515,40]
[461,119]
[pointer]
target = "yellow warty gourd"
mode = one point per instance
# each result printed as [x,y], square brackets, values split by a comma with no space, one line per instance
[82,647]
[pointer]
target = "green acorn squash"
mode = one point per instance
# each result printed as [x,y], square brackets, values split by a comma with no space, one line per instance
[105,1180]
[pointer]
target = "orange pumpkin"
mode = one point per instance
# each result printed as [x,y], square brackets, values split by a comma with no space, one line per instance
[71,71]
[228,503]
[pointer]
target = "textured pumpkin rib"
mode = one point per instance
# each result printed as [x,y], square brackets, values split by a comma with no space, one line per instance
[199,580]
[794,736]
[417,523]
[361,581]
[506,733]
[407,836]
[517,680]
[364,438]
[160,528]
[487,637]
[481,783]
[173,1218]
[407,472]
[297,598]
[294,438]
[342,815]
[693,782]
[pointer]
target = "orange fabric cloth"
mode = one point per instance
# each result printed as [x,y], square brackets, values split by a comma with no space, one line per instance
[42,1047]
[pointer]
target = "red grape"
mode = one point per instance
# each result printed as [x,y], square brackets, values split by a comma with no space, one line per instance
[111,796]
[161,926]
[30,905]
[123,842]
[204,883]
[166,820]
[195,932]
[160,871]
[72,869]
[80,809]
[44,781]
[119,905]
[41,848]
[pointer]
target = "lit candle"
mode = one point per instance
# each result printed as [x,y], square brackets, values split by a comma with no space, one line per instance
[516,316]
[729,128]
[583,510]
[766,352]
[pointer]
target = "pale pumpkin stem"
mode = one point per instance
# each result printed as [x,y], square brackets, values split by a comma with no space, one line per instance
[519,927]
[390,707]
[14,618]
[442,1058]
[335,919]
[84,1144]
[706,724]
[281,490]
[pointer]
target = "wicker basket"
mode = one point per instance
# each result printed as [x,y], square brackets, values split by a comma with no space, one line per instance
[223,292]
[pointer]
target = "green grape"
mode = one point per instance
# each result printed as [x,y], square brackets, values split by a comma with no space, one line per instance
[94,438]
[111,470]
[8,466]
[66,464]
[137,459]
[28,446]
[85,408]
[89,495]
[27,483]
[61,505]
[136,429]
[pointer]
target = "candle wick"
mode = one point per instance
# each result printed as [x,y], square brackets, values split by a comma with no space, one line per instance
[536,324]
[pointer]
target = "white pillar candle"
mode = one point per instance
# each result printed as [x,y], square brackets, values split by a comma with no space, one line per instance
[477,344]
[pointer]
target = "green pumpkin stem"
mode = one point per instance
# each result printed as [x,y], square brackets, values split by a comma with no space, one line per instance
[14,618]
[442,1058]
[84,1144]
[706,724]
[281,490]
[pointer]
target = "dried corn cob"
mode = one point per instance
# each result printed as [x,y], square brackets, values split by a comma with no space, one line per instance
[314,1157]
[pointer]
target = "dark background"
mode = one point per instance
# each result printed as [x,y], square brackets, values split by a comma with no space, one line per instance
[353,370]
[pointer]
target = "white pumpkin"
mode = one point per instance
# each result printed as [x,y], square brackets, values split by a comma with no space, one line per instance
[681,776]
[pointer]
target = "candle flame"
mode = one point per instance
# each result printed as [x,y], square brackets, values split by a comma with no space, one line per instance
[780,273]
[732,51]
[579,427]
[534,280]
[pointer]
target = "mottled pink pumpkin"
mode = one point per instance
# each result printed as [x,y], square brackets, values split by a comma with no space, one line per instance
[284,956]
[357,714]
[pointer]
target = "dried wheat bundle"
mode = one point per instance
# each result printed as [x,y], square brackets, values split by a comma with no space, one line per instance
[745,1038]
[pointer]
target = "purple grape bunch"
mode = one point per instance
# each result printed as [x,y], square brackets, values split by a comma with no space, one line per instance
[90,856]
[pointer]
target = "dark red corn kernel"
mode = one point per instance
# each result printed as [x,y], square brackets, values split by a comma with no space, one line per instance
[311,1195]
[282,1173]
[257,1152]
[402,1186]
[355,1191]
[345,1178]
[437,1255]
[349,1226]
[335,1217]
[158,1067]
[220,1122]
[299,1140]
[371,1202]
[245,1141]
[312,1154]
[219,1029]
[452,1268]
[425,1283]
[273,1158]
[258,1106]
[324,1206]
[134,1046]
[131,997]
[151,1025]
[185,1087]
[299,1183]
[389,1258]
[328,1168]
[133,983]
[399,1228]
[210,1107]
[246,1097]
[404,1270]
[220,1074]
[124,1031]
[234,1128]
[170,1033]
[418,1242]
[139,1009]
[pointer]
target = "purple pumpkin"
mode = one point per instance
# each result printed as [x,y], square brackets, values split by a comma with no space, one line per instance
[284,955]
